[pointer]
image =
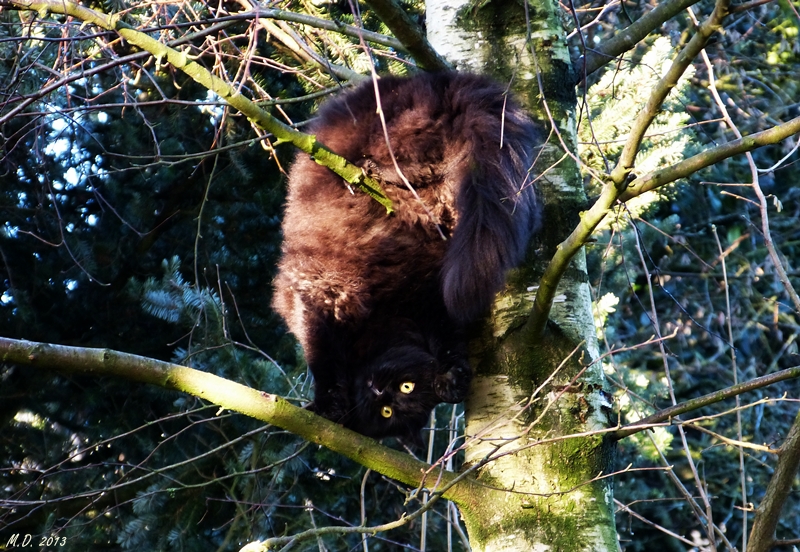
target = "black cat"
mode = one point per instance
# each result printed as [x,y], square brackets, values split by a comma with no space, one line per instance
[379,302]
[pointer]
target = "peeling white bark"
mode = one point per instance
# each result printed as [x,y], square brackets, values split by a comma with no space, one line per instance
[542,491]
[466,51]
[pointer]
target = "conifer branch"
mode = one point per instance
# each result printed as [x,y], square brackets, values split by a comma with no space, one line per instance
[284,34]
[618,179]
[589,220]
[180,60]
[661,90]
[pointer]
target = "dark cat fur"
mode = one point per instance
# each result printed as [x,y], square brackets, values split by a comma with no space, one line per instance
[379,300]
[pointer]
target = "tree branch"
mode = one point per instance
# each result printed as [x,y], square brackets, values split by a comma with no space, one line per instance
[687,167]
[284,133]
[285,35]
[335,26]
[617,181]
[662,89]
[236,397]
[409,33]
[628,38]
[762,537]
[705,400]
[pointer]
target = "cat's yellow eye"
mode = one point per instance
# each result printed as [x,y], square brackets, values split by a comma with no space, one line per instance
[386,411]
[407,387]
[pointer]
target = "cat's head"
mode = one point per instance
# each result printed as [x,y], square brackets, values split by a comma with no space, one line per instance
[393,395]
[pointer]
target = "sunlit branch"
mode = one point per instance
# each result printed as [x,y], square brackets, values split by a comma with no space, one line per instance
[687,167]
[284,34]
[738,443]
[662,89]
[270,13]
[762,201]
[409,33]
[566,250]
[180,60]
[629,37]
[283,15]
[338,27]
[616,184]
[289,35]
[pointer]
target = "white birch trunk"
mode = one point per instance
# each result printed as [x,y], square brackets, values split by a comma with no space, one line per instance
[548,504]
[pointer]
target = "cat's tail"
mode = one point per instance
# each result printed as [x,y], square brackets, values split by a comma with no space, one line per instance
[497,207]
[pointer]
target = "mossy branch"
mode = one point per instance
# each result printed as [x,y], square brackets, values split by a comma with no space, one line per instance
[617,181]
[687,167]
[180,60]
[662,89]
[611,195]
[233,396]
[566,250]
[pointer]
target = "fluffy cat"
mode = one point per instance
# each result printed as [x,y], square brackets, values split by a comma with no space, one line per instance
[380,302]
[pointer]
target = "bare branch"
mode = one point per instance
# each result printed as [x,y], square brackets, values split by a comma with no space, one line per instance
[629,37]
[180,60]
[591,219]
[335,26]
[239,398]
[409,33]
[705,400]
[687,167]
[616,183]
[286,36]
[679,65]
[762,538]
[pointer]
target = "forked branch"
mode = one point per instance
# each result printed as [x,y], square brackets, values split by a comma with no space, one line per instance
[618,179]
[627,38]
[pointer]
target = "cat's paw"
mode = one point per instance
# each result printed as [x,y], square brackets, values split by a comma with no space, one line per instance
[332,404]
[452,386]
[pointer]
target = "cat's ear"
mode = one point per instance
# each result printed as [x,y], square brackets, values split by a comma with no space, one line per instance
[452,386]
